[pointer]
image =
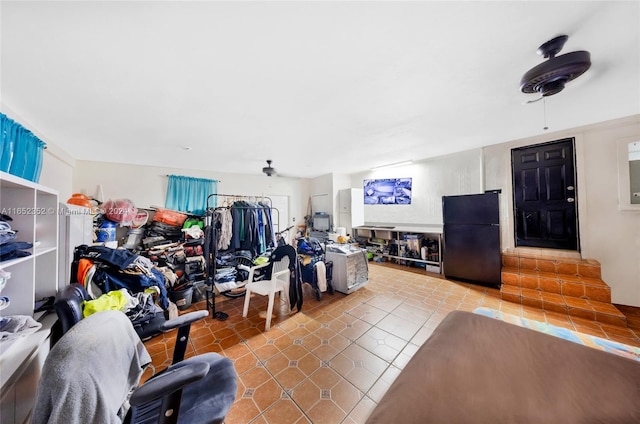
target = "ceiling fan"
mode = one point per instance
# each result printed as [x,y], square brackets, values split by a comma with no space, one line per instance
[550,77]
[269,170]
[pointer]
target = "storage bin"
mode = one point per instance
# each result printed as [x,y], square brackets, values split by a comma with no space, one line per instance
[107,232]
[383,234]
[199,291]
[182,298]
[433,268]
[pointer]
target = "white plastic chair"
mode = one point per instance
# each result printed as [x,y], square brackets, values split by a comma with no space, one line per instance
[279,283]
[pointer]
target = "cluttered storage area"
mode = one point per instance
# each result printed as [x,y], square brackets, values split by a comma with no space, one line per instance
[166,259]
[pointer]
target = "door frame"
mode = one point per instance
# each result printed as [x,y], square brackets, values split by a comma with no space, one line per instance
[577,175]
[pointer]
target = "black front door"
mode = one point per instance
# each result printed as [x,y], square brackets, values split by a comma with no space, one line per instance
[544,195]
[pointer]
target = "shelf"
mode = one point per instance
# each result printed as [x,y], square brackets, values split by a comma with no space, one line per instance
[14,354]
[385,235]
[34,212]
[404,258]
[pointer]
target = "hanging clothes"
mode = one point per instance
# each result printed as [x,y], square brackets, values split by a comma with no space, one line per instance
[224,221]
[246,234]
[269,233]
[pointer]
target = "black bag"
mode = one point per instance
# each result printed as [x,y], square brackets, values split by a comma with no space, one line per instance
[149,325]
[146,317]
[169,232]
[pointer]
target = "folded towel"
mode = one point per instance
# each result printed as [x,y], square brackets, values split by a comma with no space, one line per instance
[14,326]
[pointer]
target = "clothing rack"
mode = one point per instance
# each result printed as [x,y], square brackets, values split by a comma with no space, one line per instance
[235,197]
[211,264]
[238,197]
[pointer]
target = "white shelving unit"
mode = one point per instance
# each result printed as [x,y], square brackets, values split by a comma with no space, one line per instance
[34,210]
[383,235]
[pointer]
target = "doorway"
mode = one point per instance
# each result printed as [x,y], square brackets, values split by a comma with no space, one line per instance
[545,195]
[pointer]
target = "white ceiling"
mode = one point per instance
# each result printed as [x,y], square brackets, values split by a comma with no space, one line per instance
[317,87]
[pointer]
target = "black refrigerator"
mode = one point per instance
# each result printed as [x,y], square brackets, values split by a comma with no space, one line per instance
[471,237]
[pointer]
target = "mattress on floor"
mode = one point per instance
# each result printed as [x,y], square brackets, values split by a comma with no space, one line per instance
[476,369]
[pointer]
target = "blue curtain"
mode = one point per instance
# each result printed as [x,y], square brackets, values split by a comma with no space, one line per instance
[20,150]
[189,194]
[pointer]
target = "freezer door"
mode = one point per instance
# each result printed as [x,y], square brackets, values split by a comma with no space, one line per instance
[471,209]
[472,252]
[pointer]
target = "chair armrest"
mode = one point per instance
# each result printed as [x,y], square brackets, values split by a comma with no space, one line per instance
[183,320]
[168,382]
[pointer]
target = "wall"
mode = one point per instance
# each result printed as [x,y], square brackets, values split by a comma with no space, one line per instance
[459,173]
[146,186]
[57,172]
[607,234]
[321,194]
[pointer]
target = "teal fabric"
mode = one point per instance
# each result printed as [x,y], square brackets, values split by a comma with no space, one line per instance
[20,150]
[189,194]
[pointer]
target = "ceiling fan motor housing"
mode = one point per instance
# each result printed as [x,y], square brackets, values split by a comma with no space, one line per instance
[550,77]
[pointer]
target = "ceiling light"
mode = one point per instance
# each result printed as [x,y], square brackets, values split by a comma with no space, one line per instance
[391,165]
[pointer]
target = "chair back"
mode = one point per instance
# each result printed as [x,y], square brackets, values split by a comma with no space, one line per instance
[280,272]
[69,305]
[281,265]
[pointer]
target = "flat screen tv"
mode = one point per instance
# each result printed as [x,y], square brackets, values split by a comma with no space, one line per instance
[388,191]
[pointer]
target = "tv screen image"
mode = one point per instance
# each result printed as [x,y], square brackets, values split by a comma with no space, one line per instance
[388,191]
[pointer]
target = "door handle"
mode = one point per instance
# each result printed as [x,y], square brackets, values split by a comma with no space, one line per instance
[571,199]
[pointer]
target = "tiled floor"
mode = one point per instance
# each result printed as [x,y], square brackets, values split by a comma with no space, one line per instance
[331,362]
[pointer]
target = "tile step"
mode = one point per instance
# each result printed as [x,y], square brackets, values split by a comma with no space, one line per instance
[581,287]
[589,268]
[584,308]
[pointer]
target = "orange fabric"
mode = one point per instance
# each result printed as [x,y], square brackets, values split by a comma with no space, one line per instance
[84,265]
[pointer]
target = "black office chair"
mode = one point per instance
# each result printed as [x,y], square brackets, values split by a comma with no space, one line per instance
[91,375]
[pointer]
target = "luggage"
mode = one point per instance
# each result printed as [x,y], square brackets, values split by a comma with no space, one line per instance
[161,229]
[170,217]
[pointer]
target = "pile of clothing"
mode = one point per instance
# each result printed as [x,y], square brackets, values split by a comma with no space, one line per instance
[122,280]
[10,248]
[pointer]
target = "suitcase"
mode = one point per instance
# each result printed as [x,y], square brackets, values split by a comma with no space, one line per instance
[170,217]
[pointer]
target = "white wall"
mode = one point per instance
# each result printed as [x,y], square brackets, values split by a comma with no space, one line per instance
[321,194]
[146,186]
[459,173]
[607,234]
[57,172]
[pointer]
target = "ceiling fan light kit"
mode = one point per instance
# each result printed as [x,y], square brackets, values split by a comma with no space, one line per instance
[269,170]
[551,76]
